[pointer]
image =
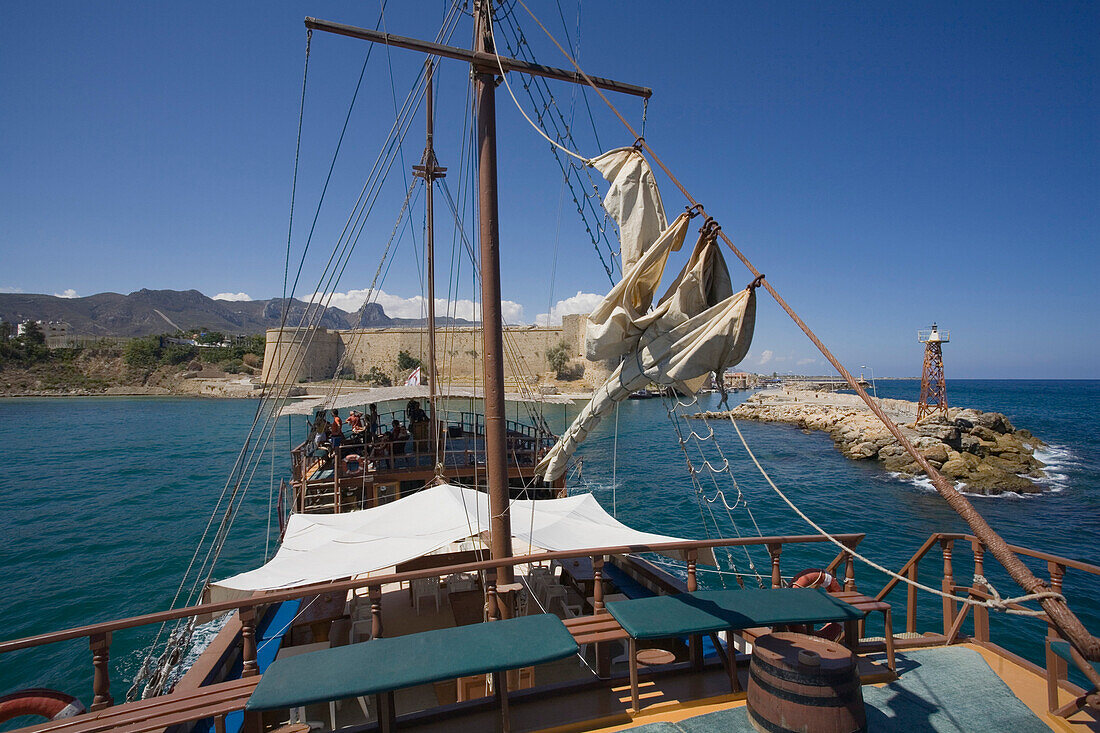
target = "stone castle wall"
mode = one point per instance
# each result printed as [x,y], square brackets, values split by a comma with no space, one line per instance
[458,352]
[290,356]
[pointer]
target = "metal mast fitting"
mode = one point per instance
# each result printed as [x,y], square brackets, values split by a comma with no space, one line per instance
[933,389]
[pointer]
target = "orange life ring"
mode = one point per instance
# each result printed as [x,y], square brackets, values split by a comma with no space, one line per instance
[818,578]
[49,704]
[353,464]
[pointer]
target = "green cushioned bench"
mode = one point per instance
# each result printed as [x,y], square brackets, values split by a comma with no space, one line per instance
[711,611]
[1062,649]
[388,664]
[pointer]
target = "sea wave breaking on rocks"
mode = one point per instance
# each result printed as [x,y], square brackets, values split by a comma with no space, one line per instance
[983,451]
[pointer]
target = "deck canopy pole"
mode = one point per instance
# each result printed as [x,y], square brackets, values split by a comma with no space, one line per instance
[492,334]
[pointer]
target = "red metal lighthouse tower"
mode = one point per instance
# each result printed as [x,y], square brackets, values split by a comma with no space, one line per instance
[933,390]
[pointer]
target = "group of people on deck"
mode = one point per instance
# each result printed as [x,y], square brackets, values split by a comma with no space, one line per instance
[379,444]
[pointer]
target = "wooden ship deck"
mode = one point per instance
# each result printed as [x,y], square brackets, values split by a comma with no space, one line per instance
[591,690]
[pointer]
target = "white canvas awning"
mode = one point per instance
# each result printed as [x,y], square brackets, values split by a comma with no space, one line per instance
[360,397]
[323,547]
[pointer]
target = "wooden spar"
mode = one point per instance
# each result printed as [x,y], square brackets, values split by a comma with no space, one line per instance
[429,170]
[479,58]
[492,334]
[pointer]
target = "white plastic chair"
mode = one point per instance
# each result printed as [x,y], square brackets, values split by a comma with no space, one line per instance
[552,594]
[298,715]
[349,631]
[360,631]
[460,582]
[538,584]
[571,610]
[425,588]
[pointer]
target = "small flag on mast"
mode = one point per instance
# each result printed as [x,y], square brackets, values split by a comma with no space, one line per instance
[414,378]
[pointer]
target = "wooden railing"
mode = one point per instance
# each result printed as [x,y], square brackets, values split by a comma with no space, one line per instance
[99,634]
[953,617]
[459,446]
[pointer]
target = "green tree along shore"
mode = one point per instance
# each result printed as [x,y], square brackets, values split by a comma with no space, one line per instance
[28,366]
[151,352]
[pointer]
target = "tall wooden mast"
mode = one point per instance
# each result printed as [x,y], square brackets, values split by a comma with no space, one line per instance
[430,170]
[496,439]
[486,65]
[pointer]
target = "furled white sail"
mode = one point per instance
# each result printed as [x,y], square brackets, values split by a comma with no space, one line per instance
[633,201]
[700,325]
[714,340]
[616,323]
[646,240]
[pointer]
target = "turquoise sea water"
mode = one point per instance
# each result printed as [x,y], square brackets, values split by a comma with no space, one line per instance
[103,499]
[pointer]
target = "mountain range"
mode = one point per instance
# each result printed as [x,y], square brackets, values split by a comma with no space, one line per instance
[147,312]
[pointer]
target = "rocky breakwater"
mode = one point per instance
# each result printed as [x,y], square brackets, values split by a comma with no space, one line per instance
[981,450]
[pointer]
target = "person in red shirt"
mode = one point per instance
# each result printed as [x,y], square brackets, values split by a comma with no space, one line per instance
[356,422]
[336,430]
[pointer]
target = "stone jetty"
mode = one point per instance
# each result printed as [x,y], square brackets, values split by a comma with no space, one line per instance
[982,450]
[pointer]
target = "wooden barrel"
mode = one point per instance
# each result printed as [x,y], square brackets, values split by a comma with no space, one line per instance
[804,683]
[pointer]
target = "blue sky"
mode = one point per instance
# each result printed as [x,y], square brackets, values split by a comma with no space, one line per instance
[886,165]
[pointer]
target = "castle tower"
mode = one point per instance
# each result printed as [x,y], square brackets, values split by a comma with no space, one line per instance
[933,390]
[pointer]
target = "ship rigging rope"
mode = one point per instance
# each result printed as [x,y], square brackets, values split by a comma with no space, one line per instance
[371,297]
[1058,610]
[317,307]
[315,310]
[514,354]
[297,151]
[588,201]
[356,222]
[700,502]
[332,165]
[997,603]
[512,94]
[673,410]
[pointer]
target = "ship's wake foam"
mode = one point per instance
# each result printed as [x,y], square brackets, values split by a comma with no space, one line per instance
[201,638]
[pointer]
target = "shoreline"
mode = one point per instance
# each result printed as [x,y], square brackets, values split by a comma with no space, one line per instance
[981,450]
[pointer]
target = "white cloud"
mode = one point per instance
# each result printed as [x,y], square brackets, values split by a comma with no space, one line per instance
[416,306]
[766,356]
[8,289]
[804,362]
[579,303]
[67,293]
[232,296]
